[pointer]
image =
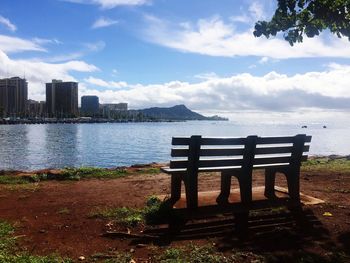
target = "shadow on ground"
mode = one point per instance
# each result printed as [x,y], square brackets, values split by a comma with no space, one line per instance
[267,231]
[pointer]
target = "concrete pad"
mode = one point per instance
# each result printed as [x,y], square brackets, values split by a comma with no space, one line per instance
[209,198]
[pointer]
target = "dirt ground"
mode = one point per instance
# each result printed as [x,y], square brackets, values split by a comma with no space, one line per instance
[53,217]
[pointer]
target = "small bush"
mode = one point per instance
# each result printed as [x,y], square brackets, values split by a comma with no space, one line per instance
[157,211]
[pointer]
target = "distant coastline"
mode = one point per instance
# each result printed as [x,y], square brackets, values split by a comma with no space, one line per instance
[76,121]
[178,113]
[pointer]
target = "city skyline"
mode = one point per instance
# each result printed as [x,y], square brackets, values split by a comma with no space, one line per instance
[156,53]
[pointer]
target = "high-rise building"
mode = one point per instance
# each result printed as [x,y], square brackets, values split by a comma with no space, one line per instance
[90,105]
[113,110]
[116,106]
[13,97]
[36,108]
[62,99]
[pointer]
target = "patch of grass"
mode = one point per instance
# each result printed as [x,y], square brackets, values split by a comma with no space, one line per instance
[326,165]
[26,258]
[120,258]
[152,170]
[307,257]
[92,172]
[157,211]
[6,241]
[204,254]
[122,215]
[75,174]
[10,254]
[10,180]
[154,211]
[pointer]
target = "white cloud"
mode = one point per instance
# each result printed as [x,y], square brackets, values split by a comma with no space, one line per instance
[96,46]
[7,23]
[108,4]
[86,49]
[38,73]
[207,75]
[103,22]
[263,60]
[214,37]
[106,84]
[241,18]
[44,41]
[256,10]
[272,92]
[14,44]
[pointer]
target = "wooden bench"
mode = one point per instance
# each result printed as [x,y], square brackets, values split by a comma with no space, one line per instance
[235,157]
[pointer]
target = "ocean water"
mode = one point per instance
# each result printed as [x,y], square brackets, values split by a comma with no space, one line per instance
[30,147]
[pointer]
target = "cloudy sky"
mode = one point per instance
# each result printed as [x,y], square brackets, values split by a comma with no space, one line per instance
[166,52]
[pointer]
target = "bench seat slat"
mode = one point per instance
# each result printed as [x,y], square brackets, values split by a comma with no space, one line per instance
[279,140]
[169,170]
[223,141]
[223,163]
[227,163]
[179,152]
[207,163]
[180,141]
[278,150]
[208,152]
[272,160]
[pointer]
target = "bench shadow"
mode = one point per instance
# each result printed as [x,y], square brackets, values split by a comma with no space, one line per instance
[344,239]
[266,230]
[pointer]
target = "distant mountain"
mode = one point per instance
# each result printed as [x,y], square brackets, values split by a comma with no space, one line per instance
[178,112]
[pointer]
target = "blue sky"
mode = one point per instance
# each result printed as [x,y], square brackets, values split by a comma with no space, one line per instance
[167,52]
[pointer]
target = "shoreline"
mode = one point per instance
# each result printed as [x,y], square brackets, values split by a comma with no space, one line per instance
[53,170]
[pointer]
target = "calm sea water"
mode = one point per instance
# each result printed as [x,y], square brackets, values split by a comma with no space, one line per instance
[29,147]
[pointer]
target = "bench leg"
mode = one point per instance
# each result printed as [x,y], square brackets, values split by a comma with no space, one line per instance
[191,188]
[293,185]
[270,176]
[175,188]
[242,224]
[225,189]
[245,188]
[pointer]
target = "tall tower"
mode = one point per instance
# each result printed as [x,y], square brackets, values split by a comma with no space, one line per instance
[90,105]
[13,97]
[62,99]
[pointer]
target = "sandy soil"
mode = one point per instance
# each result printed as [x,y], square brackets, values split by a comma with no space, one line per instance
[53,217]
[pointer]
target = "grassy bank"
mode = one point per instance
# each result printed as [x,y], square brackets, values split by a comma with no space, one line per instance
[73,174]
[326,164]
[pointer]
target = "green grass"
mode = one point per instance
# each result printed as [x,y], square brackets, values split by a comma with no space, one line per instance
[326,165]
[118,258]
[9,179]
[204,254]
[76,174]
[307,257]
[209,254]
[154,211]
[9,253]
[122,215]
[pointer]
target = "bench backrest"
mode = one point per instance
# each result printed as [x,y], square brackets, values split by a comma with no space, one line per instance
[202,153]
